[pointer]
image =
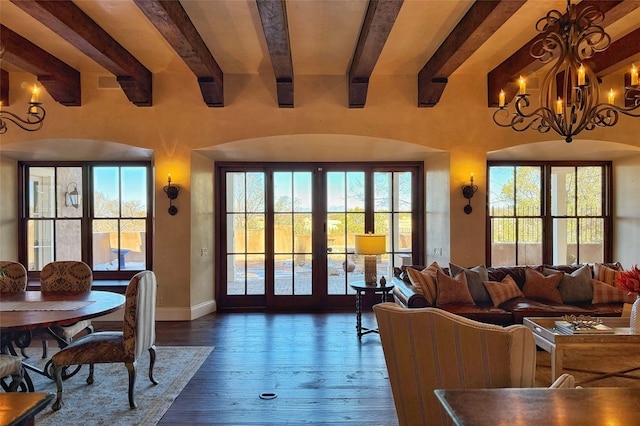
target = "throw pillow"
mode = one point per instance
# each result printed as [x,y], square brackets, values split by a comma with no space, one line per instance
[475,277]
[605,293]
[425,283]
[604,273]
[453,290]
[538,286]
[575,287]
[501,291]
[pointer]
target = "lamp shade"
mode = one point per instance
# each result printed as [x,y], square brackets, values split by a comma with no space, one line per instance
[371,244]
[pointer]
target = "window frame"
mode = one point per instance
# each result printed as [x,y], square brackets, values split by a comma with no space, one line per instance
[545,208]
[87,217]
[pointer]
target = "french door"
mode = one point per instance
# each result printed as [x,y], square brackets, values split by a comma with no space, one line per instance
[287,231]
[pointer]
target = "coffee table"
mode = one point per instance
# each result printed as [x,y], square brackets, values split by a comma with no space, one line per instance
[556,343]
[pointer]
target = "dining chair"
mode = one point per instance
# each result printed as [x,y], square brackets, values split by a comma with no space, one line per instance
[66,276]
[137,335]
[429,348]
[11,366]
[13,280]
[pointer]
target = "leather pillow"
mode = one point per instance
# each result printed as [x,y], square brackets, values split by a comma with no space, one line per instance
[502,291]
[536,285]
[453,290]
[475,278]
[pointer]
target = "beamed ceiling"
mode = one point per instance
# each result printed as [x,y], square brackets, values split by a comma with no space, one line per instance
[58,41]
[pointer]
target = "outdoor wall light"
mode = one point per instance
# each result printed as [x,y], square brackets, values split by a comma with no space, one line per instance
[71,197]
[172,194]
[467,192]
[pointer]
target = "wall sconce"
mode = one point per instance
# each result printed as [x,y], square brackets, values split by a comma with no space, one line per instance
[467,192]
[71,196]
[172,194]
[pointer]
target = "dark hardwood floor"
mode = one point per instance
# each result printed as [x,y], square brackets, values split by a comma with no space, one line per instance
[314,363]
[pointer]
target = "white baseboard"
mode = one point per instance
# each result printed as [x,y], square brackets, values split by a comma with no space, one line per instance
[170,313]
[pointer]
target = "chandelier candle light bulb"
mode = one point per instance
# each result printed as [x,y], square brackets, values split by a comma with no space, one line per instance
[634,75]
[581,75]
[611,97]
[501,99]
[559,106]
[523,85]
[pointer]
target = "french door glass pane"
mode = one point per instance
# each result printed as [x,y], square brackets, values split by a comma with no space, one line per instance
[501,194]
[134,196]
[41,192]
[345,219]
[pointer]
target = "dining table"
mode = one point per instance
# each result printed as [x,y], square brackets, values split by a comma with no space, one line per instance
[22,313]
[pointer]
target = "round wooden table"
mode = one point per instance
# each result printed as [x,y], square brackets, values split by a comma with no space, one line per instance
[21,313]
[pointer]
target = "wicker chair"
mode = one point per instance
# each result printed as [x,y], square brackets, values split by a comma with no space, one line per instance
[66,276]
[137,336]
[428,348]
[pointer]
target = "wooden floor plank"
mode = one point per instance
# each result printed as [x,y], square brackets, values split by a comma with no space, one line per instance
[314,363]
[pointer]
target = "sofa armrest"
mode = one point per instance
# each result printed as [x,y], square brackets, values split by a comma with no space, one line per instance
[406,296]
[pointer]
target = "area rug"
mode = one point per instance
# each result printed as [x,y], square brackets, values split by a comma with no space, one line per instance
[594,367]
[106,402]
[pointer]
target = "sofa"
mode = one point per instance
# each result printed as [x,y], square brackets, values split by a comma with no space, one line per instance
[576,290]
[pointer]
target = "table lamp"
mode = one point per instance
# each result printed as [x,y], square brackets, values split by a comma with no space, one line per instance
[370,245]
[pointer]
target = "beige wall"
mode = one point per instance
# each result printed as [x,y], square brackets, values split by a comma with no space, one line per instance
[454,139]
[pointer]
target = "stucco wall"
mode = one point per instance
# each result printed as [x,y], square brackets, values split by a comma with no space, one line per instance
[320,128]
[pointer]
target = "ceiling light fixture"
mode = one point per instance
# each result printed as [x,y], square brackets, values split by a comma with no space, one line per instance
[569,95]
[35,111]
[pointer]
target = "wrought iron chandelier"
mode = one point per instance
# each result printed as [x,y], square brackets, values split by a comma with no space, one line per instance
[35,111]
[569,94]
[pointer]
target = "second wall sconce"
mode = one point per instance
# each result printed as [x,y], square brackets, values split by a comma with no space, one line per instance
[467,192]
[172,194]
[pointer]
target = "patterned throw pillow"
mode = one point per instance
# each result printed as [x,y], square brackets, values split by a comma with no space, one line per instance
[453,290]
[575,287]
[425,283]
[538,286]
[502,291]
[475,277]
[604,273]
[605,293]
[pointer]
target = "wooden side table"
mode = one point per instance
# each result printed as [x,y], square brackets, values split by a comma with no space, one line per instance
[363,288]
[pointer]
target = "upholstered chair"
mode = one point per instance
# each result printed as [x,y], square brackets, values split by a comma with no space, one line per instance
[14,279]
[428,348]
[137,335]
[66,276]
[11,366]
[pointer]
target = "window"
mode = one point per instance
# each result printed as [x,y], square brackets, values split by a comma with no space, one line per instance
[551,212]
[97,213]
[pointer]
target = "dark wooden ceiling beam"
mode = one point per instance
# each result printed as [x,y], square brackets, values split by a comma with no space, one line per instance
[273,15]
[171,20]
[60,80]
[478,24]
[378,22]
[71,23]
[504,76]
